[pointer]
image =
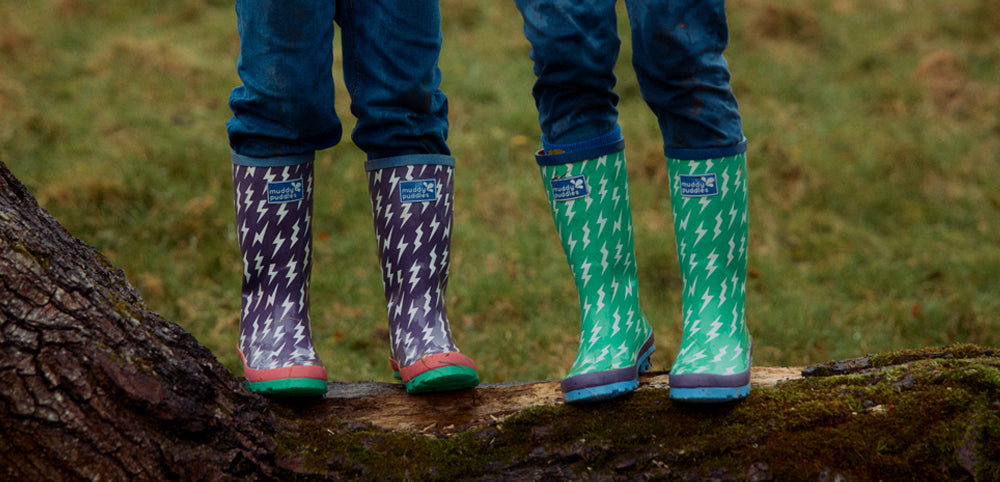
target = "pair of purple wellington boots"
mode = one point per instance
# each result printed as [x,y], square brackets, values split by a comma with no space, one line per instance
[412,210]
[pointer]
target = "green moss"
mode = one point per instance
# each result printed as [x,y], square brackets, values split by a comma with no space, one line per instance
[937,416]
[21,248]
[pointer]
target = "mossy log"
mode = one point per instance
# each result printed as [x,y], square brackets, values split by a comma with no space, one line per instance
[94,385]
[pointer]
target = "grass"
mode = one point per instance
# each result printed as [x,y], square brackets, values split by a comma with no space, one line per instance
[874,137]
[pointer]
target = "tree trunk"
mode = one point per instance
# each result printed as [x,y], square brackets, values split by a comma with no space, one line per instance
[93,384]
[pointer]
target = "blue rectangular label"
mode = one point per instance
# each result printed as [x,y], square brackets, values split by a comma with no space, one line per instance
[418,190]
[699,185]
[569,188]
[285,191]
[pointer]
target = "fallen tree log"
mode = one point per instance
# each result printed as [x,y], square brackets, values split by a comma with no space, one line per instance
[94,385]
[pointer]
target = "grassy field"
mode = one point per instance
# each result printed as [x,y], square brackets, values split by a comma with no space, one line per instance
[874,133]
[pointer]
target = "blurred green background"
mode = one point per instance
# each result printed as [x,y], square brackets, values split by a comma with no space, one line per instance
[874,133]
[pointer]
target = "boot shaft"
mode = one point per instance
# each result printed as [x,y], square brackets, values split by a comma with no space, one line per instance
[710,201]
[274,229]
[590,205]
[412,211]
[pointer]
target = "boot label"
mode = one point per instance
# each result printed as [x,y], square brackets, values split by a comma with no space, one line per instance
[699,185]
[569,188]
[418,190]
[285,191]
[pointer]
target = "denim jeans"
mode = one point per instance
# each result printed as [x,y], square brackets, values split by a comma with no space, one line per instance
[677,48]
[284,110]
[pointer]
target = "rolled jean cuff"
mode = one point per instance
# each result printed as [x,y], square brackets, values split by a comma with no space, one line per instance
[581,151]
[409,160]
[272,161]
[706,153]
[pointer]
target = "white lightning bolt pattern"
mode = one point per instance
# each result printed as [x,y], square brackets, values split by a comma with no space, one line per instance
[733,214]
[378,204]
[713,332]
[434,224]
[622,351]
[698,356]
[258,237]
[604,258]
[718,226]
[427,302]
[725,183]
[401,248]
[616,326]
[569,212]
[706,299]
[704,202]
[601,220]
[291,273]
[604,188]
[270,175]
[586,236]
[433,255]
[417,243]
[618,223]
[600,299]
[413,310]
[711,266]
[618,253]
[299,337]
[732,250]
[701,232]
[405,216]
[278,242]
[585,276]
[737,352]
[572,244]
[595,334]
[393,181]
[719,356]
[695,323]
[261,209]
[615,196]
[248,196]
[684,223]
[281,212]
[603,355]
[295,234]
[428,332]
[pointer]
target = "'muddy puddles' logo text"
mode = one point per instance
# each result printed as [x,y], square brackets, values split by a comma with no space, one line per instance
[418,190]
[285,191]
[699,185]
[569,188]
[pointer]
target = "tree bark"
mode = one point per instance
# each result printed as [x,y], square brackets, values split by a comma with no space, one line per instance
[95,385]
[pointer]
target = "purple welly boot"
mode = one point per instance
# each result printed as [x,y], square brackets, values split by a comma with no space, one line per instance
[273,211]
[412,208]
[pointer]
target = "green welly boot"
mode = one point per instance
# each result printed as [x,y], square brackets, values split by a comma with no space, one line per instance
[709,199]
[590,205]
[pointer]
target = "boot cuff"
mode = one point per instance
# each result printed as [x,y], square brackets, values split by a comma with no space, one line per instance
[409,160]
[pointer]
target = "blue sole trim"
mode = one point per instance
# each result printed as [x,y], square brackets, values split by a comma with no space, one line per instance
[709,394]
[612,390]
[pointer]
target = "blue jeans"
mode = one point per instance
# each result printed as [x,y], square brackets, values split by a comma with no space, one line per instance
[677,48]
[284,111]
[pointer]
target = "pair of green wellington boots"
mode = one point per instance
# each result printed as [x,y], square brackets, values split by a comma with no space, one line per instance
[591,208]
